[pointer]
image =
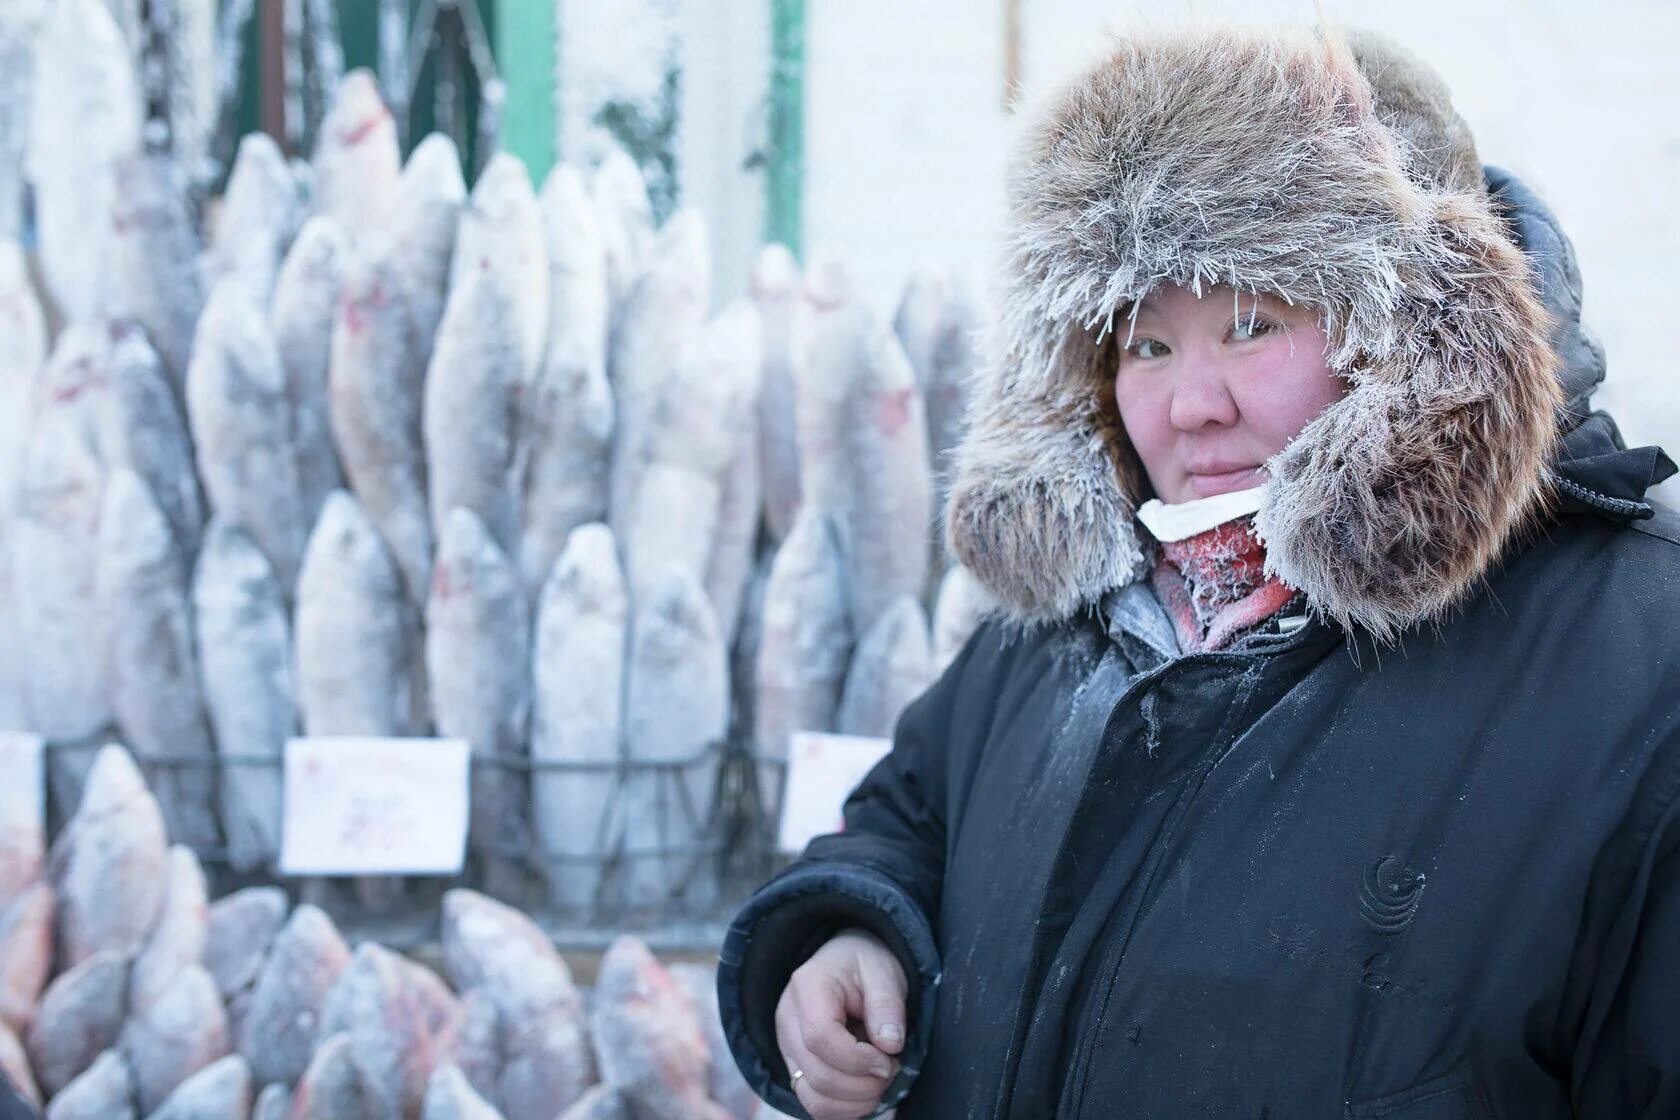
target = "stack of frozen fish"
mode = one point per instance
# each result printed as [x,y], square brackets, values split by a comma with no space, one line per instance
[383,456]
[125,993]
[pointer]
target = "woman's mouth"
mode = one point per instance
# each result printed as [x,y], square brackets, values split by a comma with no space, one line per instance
[1205,484]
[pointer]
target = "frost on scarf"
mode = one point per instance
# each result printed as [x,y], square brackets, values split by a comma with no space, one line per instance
[1214,585]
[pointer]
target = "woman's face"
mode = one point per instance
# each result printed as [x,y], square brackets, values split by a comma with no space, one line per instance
[1206,398]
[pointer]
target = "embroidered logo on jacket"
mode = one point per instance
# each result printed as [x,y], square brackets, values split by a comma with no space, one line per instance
[1388,895]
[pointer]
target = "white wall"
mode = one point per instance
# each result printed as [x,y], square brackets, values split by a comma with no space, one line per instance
[905,137]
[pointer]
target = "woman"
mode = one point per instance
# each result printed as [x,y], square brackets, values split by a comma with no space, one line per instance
[1363,803]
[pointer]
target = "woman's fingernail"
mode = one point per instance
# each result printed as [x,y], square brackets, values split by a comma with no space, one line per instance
[892,1032]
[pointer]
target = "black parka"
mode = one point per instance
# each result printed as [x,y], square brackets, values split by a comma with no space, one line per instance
[1314,875]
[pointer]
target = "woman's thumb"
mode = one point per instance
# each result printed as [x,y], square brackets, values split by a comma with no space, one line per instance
[883,1000]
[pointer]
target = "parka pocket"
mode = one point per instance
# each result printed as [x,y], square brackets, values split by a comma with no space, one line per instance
[1451,1096]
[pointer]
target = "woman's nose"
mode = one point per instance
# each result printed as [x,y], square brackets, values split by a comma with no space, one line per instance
[1201,397]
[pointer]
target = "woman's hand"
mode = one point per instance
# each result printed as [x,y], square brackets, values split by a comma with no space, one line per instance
[845,1069]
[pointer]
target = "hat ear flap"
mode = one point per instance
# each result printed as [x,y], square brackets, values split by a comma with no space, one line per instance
[1389,505]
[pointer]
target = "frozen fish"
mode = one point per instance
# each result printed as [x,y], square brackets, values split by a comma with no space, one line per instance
[393,1043]
[962,605]
[804,646]
[143,427]
[331,1086]
[109,864]
[219,1091]
[85,114]
[23,350]
[242,431]
[620,198]
[357,160]
[581,633]
[725,1084]
[26,954]
[430,195]
[776,291]
[449,1096]
[22,836]
[603,1102]
[261,211]
[301,314]
[282,1022]
[154,256]
[353,657]
[376,390]
[275,1103]
[676,712]
[14,1066]
[478,657]
[239,928]
[735,542]
[502,232]
[80,1017]
[19,24]
[471,406]
[567,413]
[105,1091]
[891,667]
[151,666]
[172,1038]
[245,660]
[177,940]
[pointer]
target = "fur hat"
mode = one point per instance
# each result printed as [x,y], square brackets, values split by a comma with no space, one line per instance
[1331,171]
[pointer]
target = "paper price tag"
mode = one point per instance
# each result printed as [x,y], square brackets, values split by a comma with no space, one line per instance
[23,792]
[357,805]
[822,771]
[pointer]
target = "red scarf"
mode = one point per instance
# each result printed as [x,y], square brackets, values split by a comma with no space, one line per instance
[1214,585]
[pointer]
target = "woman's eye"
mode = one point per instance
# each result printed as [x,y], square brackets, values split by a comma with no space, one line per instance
[1250,328]
[1147,348]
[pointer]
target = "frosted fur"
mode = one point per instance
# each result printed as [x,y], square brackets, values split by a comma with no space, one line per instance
[1261,160]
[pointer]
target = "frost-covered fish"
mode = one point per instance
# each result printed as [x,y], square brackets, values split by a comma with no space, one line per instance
[281,1024]
[330,1087]
[22,837]
[81,1016]
[394,1041]
[662,316]
[143,427]
[740,508]
[357,160]
[603,1102]
[238,930]
[172,1038]
[449,1096]
[430,195]
[882,496]
[892,666]
[478,657]
[151,664]
[245,662]
[805,643]
[301,315]
[476,1045]
[353,632]
[919,319]
[241,427]
[492,948]
[26,954]
[581,632]
[14,1066]
[109,864]
[700,426]
[676,710]
[104,1092]
[567,414]
[219,1091]
[725,1083]
[23,349]
[177,940]
[620,198]
[776,291]
[956,356]
[648,1038]
[275,1103]
[261,211]
[376,383]
[85,116]
[353,653]
[502,231]
[154,253]
[471,405]
[55,547]
[962,605]
[19,24]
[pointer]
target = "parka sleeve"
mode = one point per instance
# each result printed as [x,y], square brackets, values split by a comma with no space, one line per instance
[882,873]
[1629,1063]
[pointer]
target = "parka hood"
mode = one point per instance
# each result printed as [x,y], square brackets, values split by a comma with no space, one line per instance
[1330,171]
